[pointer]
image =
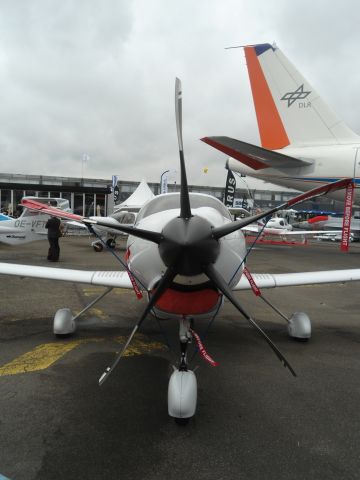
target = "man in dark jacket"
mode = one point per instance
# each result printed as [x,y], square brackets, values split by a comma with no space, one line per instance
[54,227]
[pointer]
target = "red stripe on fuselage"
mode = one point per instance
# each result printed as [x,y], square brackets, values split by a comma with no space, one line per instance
[188,303]
[319,218]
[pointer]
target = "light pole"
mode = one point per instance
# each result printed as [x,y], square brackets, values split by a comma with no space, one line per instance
[84,159]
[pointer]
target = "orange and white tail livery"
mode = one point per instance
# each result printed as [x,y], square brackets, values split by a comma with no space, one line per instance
[303,142]
[288,108]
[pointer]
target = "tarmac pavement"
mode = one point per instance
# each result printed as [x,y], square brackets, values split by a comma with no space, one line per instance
[254,420]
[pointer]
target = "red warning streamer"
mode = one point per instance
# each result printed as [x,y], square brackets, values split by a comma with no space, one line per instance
[253,285]
[346,228]
[202,350]
[135,285]
[132,279]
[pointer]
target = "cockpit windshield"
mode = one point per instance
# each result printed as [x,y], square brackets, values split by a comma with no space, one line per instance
[124,217]
[172,201]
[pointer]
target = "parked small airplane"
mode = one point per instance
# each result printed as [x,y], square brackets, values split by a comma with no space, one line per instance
[303,143]
[280,227]
[187,254]
[124,213]
[105,236]
[333,237]
[324,222]
[30,225]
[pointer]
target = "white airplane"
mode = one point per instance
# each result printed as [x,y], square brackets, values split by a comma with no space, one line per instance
[30,225]
[280,227]
[109,236]
[105,236]
[187,255]
[303,143]
[125,213]
[323,222]
[333,237]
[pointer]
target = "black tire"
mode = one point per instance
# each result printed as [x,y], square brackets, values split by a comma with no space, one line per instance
[182,421]
[111,243]
[98,247]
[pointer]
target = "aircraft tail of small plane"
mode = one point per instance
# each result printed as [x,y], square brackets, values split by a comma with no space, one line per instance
[288,109]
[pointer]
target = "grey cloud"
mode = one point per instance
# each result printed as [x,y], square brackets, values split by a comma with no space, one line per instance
[98,77]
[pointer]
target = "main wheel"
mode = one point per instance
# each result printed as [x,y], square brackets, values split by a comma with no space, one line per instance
[98,247]
[111,243]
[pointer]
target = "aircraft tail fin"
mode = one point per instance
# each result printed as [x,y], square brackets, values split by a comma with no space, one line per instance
[288,109]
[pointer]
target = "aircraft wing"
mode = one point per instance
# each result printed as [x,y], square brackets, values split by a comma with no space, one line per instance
[283,232]
[307,233]
[272,280]
[119,279]
[75,224]
[253,156]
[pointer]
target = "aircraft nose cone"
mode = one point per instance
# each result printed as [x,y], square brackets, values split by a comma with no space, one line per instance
[189,244]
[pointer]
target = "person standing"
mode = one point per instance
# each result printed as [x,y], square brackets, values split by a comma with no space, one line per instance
[54,228]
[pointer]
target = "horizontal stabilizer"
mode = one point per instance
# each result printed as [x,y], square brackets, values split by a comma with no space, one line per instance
[253,156]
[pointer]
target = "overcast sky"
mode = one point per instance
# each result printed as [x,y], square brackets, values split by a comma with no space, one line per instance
[96,77]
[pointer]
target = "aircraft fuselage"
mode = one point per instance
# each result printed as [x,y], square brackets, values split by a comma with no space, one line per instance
[328,164]
[189,295]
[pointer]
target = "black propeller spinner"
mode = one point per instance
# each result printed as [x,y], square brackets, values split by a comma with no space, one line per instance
[188,245]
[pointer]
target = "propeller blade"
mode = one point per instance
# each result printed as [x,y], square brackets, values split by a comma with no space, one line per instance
[185,210]
[220,283]
[178,112]
[163,285]
[155,237]
[316,192]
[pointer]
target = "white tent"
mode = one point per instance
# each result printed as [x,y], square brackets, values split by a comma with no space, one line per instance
[138,198]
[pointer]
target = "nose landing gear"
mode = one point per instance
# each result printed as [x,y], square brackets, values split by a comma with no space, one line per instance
[182,390]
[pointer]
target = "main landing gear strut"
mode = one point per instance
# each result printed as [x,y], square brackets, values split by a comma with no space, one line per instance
[182,391]
[64,321]
[299,324]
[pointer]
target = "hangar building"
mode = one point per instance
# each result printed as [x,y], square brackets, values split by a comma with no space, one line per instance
[87,195]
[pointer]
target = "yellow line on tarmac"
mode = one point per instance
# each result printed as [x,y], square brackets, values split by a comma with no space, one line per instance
[140,345]
[40,357]
[98,313]
[43,356]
